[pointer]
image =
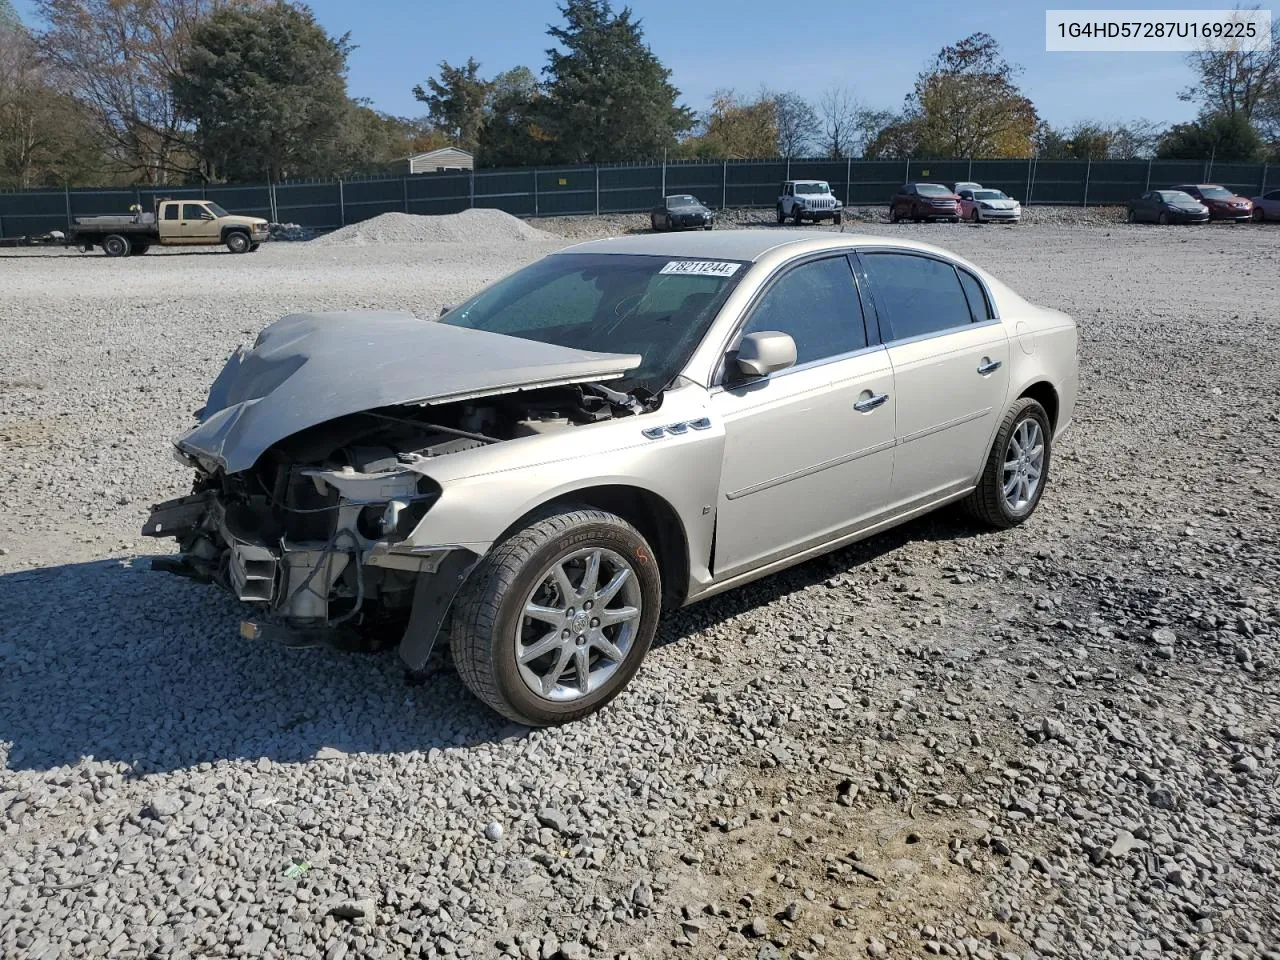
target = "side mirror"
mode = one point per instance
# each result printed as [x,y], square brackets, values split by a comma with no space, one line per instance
[445,309]
[766,352]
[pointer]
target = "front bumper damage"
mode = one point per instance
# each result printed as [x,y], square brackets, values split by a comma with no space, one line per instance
[313,592]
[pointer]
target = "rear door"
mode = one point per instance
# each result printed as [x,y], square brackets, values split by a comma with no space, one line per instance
[808,450]
[950,357]
[170,223]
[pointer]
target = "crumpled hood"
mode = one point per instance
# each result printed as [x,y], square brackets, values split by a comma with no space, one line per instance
[308,368]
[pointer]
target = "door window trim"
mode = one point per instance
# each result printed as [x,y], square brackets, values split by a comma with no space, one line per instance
[926,255]
[735,334]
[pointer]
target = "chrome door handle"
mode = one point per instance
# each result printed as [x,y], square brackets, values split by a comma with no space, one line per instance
[868,404]
[988,366]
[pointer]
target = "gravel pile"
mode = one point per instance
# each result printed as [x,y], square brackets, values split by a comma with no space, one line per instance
[470,226]
[1055,742]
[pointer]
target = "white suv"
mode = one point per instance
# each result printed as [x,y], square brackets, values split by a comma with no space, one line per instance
[808,200]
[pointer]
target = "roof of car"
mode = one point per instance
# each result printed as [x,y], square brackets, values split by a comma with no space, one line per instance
[748,245]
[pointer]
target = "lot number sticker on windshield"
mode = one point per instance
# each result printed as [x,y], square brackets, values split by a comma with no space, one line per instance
[701,268]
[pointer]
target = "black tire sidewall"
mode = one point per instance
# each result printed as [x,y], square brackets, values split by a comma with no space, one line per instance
[233,239]
[111,241]
[511,686]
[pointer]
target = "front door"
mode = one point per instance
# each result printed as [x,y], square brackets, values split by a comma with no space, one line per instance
[808,450]
[198,224]
[950,359]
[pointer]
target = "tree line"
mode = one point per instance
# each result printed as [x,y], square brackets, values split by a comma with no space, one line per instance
[180,91]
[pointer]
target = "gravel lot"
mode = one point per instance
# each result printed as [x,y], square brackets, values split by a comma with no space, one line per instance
[1060,741]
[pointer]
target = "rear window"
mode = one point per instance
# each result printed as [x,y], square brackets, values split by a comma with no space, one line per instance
[918,295]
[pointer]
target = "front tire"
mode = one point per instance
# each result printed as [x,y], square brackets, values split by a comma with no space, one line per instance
[974,216]
[1259,215]
[1133,217]
[797,217]
[526,637]
[1017,468]
[238,242]
[838,219]
[1163,219]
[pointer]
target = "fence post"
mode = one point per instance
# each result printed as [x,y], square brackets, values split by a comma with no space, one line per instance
[724,184]
[66,194]
[535,191]
[404,190]
[664,173]
[906,173]
[597,189]
[1088,166]
[1148,186]
[1028,192]
[848,180]
[788,176]
[970,175]
[342,205]
[1262,181]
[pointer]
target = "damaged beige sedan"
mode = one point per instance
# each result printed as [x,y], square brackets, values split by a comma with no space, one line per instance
[621,428]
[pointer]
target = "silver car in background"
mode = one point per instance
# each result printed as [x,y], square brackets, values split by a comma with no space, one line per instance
[618,429]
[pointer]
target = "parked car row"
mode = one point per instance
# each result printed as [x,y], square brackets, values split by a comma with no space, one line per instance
[813,201]
[1200,203]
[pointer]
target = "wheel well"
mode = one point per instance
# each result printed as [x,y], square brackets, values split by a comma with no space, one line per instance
[1044,394]
[657,522]
[228,231]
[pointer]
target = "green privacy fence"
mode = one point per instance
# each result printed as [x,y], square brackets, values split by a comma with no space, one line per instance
[631,188]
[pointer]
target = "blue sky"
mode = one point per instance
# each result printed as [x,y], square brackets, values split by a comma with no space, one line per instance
[875,49]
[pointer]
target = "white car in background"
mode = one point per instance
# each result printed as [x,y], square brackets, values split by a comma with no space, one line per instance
[802,200]
[979,204]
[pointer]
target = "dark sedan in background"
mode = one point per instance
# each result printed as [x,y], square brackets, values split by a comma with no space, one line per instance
[679,211]
[924,201]
[1167,206]
[1222,203]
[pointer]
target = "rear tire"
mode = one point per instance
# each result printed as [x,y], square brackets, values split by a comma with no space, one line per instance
[238,242]
[1133,217]
[1163,219]
[138,247]
[894,215]
[490,627]
[989,502]
[115,245]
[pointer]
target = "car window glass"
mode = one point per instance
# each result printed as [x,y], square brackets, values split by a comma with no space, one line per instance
[817,304]
[979,308]
[192,211]
[1273,195]
[171,212]
[917,295]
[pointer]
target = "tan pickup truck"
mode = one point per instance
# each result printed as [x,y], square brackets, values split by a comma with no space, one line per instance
[174,223]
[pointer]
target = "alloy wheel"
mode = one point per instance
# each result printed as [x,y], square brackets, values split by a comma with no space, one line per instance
[578,624]
[1023,465]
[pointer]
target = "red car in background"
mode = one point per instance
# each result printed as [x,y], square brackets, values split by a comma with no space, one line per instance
[924,201]
[1222,203]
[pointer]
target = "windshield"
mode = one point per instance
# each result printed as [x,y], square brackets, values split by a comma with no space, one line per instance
[932,190]
[1217,193]
[216,210]
[806,188]
[657,307]
[989,195]
[684,200]
[1175,196]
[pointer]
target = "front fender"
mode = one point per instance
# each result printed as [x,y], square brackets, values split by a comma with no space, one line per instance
[475,510]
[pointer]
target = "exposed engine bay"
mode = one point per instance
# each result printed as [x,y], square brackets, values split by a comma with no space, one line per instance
[309,530]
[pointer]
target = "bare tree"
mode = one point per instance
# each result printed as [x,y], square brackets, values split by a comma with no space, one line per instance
[118,58]
[838,109]
[798,125]
[1239,79]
